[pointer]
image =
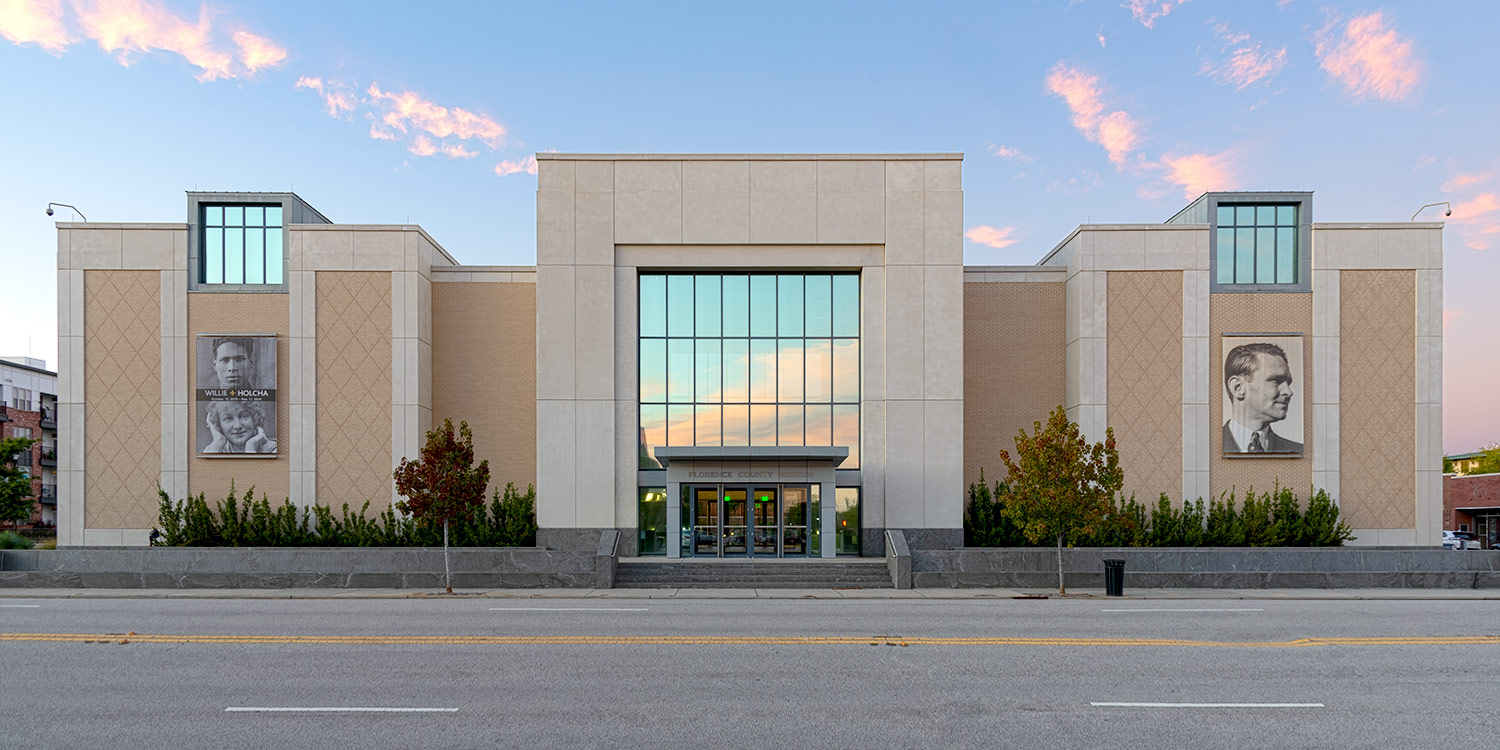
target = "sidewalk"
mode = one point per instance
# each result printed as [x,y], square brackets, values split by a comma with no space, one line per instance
[938,594]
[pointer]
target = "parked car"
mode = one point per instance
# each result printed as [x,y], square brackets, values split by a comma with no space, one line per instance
[1460,540]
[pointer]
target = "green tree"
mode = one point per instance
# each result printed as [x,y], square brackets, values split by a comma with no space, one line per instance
[444,485]
[15,485]
[1061,485]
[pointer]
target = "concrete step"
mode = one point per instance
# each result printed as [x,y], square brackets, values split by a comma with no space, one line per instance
[753,574]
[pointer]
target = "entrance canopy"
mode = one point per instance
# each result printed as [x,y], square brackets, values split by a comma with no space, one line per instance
[717,465]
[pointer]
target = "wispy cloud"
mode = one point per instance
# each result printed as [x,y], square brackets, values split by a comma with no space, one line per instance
[1116,131]
[1006,152]
[996,237]
[1475,210]
[1368,58]
[36,22]
[258,52]
[1460,181]
[1103,43]
[1242,61]
[129,29]
[1148,11]
[409,110]
[1201,173]
[1476,223]
[519,166]
[1083,182]
[337,98]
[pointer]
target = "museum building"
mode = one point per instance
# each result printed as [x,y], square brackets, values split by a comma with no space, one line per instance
[746,355]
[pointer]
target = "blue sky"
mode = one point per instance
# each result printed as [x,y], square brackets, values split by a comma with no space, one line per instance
[1093,111]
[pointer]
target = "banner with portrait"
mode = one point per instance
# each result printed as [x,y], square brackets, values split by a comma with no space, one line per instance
[1262,392]
[235,385]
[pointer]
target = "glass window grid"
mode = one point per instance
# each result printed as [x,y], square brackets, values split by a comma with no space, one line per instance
[683,403]
[1243,233]
[241,244]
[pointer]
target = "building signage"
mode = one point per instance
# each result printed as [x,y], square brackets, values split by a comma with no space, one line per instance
[236,394]
[739,474]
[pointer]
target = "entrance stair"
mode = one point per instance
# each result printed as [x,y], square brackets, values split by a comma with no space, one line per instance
[839,573]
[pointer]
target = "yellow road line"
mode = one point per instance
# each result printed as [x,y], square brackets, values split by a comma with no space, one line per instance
[605,640]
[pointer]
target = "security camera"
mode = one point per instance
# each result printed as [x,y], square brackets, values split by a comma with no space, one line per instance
[1449,212]
[49,210]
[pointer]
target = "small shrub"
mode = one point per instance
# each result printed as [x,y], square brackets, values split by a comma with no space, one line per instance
[12,540]
[986,522]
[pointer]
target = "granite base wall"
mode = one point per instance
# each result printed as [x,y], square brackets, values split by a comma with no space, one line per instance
[297,567]
[1266,567]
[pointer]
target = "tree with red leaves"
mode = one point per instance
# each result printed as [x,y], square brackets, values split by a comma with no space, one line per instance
[444,485]
[1061,484]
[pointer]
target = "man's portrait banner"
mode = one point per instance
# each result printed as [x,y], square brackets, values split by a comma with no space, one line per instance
[1262,392]
[236,394]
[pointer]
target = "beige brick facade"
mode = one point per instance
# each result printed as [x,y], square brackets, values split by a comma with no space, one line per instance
[122,386]
[1377,380]
[484,371]
[241,313]
[1013,366]
[1145,379]
[354,387]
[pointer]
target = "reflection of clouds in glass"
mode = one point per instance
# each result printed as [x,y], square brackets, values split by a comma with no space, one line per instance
[707,426]
[653,370]
[789,425]
[819,424]
[819,370]
[763,424]
[679,425]
[653,429]
[709,372]
[846,370]
[789,365]
[762,370]
[680,370]
[846,433]
[736,370]
[736,425]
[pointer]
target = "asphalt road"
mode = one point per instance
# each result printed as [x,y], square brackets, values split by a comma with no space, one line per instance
[747,673]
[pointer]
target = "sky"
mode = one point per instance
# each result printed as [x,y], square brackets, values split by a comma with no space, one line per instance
[1091,111]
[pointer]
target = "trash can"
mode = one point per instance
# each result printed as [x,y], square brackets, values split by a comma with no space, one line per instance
[1114,577]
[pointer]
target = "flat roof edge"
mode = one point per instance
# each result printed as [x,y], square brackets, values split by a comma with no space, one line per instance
[942,156]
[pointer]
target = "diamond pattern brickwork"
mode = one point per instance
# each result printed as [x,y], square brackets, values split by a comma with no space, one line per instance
[1014,366]
[484,371]
[1258,313]
[1145,379]
[222,312]
[1377,394]
[122,398]
[354,388]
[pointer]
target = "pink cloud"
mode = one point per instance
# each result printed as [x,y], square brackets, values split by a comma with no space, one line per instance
[381,134]
[1464,180]
[1201,173]
[38,22]
[992,236]
[409,109]
[258,52]
[519,166]
[1148,11]
[1248,61]
[1467,213]
[125,27]
[337,98]
[456,151]
[1102,41]
[1368,58]
[422,146]
[1006,152]
[1116,132]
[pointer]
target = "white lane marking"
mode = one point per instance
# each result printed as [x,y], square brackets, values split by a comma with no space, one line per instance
[27,606]
[569,609]
[338,709]
[1116,704]
[1165,609]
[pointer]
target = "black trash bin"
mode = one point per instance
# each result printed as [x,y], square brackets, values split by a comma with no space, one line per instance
[1114,577]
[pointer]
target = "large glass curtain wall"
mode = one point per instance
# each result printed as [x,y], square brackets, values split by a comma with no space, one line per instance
[749,360]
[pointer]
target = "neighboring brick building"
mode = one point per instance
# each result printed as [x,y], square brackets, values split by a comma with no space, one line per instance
[28,401]
[1472,503]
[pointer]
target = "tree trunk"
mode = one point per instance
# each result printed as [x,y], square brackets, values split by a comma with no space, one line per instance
[1061,590]
[448,573]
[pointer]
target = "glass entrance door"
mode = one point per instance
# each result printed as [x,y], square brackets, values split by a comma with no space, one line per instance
[765,521]
[760,521]
[735,531]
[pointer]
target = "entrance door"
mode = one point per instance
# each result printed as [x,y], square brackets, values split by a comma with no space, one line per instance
[794,521]
[706,522]
[736,536]
[765,521]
